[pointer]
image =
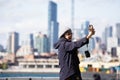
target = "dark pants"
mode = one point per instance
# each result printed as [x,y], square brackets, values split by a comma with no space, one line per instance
[74,77]
[77,75]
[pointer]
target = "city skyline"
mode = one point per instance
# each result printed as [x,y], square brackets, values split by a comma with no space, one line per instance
[32,15]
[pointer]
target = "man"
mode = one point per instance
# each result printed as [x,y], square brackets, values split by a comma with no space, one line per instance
[67,54]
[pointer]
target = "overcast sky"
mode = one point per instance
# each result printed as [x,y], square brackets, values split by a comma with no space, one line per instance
[30,16]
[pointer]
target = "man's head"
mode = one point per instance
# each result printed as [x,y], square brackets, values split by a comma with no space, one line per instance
[67,34]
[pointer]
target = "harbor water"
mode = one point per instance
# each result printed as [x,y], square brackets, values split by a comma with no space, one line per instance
[53,76]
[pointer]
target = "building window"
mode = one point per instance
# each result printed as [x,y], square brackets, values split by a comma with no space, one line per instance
[56,66]
[24,66]
[39,66]
[31,66]
[48,66]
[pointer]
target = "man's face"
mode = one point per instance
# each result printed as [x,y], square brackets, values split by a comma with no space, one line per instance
[68,35]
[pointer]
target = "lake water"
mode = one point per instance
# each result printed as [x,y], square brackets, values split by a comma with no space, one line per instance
[29,75]
[53,76]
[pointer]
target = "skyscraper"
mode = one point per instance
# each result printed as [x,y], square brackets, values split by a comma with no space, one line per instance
[85,27]
[31,41]
[118,32]
[1,48]
[13,42]
[41,43]
[108,33]
[52,24]
[91,45]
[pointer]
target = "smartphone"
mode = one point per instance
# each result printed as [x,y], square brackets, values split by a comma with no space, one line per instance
[87,53]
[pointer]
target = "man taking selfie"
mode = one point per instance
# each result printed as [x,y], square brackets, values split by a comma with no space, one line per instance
[68,54]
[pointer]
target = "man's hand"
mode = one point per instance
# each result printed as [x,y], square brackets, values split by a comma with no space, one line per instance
[91,31]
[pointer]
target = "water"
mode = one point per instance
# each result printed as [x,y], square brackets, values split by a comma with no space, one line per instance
[29,75]
[52,76]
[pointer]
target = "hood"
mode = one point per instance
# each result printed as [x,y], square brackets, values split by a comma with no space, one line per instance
[66,29]
[57,44]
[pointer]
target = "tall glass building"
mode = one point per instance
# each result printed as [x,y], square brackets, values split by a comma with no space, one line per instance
[52,24]
[13,42]
[31,41]
[118,32]
[86,27]
[108,33]
[41,43]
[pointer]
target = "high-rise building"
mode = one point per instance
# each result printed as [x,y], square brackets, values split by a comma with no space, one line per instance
[1,48]
[91,45]
[118,32]
[52,24]
[41,43]
[13,42]
[85,27]
[103,38]
[118,52]
[107,33]
[114,52]
[31,41]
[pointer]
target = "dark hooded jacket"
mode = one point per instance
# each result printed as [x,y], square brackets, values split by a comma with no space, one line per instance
[67,55]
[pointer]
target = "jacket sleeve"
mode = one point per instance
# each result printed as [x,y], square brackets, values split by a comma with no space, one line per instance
[77,44]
